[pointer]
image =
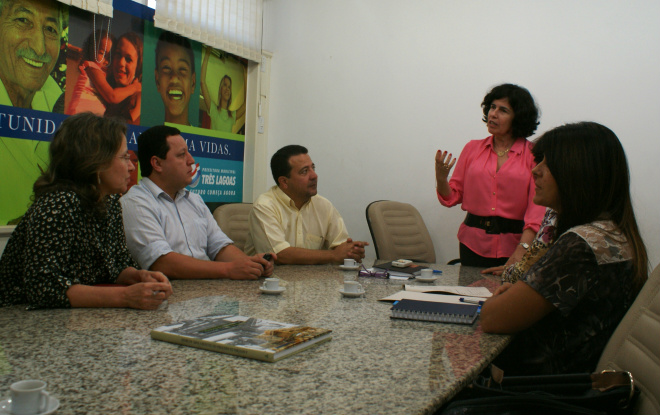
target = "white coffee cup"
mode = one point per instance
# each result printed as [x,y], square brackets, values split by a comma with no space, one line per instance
[28,397]
[427,273]
[271,284]
[352,287]
[349,262]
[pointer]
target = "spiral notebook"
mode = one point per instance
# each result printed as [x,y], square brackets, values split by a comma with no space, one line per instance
[432,311]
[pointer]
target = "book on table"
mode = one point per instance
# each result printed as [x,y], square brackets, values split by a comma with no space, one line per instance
[433,311]
[255,338]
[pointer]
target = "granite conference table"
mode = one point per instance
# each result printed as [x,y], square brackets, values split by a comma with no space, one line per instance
[103,361]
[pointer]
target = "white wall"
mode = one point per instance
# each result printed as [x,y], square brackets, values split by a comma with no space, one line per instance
[374,87]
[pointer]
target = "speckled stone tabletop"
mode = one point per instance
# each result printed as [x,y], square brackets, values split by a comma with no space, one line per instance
[103,361]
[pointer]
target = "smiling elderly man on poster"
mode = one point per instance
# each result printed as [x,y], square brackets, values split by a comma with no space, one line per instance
[30,32]
[30,38]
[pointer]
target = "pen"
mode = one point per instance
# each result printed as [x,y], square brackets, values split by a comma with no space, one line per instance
[437,271]
[470,301]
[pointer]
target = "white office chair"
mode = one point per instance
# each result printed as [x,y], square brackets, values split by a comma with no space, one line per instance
[635,346]
[233,220]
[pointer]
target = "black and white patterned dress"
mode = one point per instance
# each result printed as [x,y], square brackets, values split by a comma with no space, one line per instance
[588,276]
[56,245]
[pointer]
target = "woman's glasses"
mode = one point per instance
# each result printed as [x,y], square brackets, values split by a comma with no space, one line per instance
[126,158]
[373,274]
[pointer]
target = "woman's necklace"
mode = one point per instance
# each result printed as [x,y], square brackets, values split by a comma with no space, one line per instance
[503,152]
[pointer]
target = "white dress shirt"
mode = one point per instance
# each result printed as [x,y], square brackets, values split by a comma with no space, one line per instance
[156,225]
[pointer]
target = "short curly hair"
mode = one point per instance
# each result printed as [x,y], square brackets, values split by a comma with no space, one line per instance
[526,113]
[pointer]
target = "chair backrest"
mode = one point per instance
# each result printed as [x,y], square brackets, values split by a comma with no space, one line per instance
[233,220]
[399,232]
[635,346]
[5,234]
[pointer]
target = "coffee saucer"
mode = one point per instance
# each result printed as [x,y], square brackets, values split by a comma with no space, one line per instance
[425,279]
[272,292]
[53,404]
[351,294]
[353,268]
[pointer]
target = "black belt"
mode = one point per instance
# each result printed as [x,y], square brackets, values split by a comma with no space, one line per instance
[494,224]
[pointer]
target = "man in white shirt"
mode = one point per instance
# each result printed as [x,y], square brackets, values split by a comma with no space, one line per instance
[296,223]
[170,229]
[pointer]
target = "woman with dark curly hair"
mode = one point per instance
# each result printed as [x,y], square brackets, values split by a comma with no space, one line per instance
[573,292]
[97,90]
[125,74]
[72,237]
[95,60]
[493,182]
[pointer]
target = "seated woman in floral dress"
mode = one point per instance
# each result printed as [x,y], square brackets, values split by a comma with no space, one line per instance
[586,265]
[72,238]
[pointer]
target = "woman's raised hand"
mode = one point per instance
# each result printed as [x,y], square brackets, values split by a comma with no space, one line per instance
[443,164]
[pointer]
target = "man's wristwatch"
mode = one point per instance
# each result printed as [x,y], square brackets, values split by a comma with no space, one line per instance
[524,245]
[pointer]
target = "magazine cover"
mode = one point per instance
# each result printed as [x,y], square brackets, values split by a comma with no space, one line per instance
[242,336]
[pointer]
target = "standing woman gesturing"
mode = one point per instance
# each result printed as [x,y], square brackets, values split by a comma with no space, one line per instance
[493,182]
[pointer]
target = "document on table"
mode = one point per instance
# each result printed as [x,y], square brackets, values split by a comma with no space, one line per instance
[434,298]
[450,289]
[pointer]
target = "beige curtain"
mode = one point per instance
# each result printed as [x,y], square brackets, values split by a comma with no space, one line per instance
[231,25]
[103,7]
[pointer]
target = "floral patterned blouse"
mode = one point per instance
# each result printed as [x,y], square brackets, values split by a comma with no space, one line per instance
[56,245]
[588,276]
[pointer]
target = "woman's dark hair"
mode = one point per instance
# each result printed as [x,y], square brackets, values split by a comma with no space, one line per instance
[279,163]
[134,40]
[90,47]
[83,145]
[589,165]
[525,112]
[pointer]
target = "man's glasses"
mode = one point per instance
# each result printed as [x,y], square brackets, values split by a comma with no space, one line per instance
[373,274]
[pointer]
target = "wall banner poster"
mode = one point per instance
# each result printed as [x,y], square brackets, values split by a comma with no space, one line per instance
[121,67]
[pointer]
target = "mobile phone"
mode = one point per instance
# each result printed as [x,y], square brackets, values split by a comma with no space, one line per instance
[268,257]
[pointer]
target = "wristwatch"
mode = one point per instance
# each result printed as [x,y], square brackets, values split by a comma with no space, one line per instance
[524,245]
